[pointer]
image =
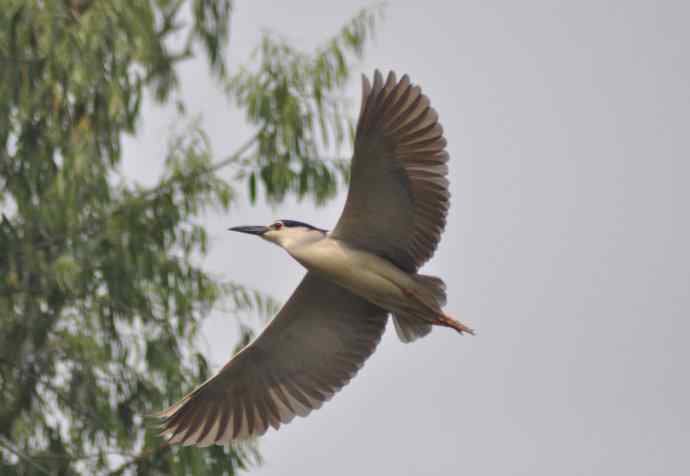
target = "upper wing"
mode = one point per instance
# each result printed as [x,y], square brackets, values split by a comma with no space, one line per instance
[398,198]
[311,349]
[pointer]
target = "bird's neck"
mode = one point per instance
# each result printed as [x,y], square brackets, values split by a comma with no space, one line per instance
[298,242]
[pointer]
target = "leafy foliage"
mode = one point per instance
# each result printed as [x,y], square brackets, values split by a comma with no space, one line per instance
[293,99]
[101,293]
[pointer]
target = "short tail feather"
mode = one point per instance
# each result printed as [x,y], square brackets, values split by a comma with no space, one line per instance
[410,329]
[432,291]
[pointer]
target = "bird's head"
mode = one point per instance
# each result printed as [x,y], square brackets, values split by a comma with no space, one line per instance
[284,233]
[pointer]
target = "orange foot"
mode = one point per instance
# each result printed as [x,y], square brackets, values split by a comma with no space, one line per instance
[448,321]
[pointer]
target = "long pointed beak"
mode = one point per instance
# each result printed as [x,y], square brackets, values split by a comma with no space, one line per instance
[252,230]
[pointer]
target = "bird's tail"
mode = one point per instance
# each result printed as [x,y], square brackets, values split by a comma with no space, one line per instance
[413,323]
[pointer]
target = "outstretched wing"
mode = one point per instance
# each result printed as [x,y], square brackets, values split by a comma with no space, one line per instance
[398,198]
[311,349]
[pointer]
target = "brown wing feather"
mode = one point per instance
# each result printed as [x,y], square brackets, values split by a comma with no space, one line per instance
[311,349]
[398,198]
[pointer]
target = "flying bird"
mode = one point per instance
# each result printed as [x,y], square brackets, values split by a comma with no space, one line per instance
[357,275]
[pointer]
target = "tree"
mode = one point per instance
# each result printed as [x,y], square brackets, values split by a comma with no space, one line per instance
[101,293]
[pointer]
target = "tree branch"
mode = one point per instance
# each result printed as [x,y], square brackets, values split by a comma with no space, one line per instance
[154,191]
[22,456]
[144,455]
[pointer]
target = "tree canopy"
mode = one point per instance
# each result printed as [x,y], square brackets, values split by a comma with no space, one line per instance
[101,291]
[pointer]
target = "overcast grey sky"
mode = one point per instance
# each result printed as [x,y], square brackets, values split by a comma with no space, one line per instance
[566,245]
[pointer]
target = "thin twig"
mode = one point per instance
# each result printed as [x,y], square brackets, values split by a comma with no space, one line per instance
[9,447]
[151,192]
[139,458]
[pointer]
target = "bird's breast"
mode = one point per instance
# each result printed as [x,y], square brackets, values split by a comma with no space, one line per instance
[361,272]
[325,256]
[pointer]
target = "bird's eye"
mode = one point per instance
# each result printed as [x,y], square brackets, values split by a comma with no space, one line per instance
[277,225]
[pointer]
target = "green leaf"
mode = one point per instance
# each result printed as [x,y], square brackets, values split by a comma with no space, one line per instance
[66,272]
[252,187]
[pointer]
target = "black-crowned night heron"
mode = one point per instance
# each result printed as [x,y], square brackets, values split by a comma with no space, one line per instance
[358,274]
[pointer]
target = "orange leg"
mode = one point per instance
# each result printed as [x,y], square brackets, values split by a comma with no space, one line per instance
[443,319]
[447,321]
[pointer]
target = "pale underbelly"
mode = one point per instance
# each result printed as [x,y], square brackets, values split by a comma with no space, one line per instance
[361,273]
[370,286]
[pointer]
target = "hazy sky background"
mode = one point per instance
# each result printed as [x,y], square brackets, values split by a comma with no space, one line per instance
[566,245]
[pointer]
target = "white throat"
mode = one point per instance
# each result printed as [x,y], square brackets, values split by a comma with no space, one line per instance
[292,238]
